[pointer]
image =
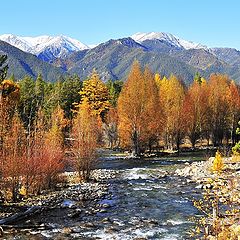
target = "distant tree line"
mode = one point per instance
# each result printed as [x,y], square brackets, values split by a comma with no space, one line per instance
[154,110]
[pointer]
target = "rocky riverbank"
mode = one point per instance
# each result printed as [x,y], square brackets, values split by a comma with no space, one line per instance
[62,207]
[197,171]
[220,203]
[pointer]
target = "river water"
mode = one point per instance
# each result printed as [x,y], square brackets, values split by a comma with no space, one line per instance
[146,201]
[144,204]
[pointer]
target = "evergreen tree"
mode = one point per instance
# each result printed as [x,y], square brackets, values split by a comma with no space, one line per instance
[69,94]
[3,67]
[198,78]
[39,90]
[27,105]
[114,88]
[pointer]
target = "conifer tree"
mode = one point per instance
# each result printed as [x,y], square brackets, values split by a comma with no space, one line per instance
[96,93]
[69,94]
[3,67]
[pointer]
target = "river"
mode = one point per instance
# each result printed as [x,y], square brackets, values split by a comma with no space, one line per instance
[145,206]
[144,202]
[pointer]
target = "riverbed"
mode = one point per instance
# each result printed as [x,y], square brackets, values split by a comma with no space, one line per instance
[145,200]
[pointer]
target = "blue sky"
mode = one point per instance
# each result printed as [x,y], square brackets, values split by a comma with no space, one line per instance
[210,22]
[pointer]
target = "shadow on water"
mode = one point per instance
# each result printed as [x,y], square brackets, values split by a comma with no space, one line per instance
[112,160]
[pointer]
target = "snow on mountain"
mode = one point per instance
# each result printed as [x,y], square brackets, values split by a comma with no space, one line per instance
[93,45]
[55,47]
[17,42]
[169,38]
[48,48]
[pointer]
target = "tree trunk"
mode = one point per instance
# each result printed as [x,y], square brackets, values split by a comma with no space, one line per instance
[136,150]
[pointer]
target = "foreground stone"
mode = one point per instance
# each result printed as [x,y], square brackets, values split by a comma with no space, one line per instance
[76,200]
[201,170]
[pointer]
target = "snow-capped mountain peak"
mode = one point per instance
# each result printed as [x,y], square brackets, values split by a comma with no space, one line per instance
[169,38]
[16,42]
[53,46]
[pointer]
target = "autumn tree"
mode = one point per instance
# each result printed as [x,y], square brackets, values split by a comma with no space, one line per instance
[153,115]
[9,95]
[137,105]
[14,157]
[171,94]
[34,155]
[85,140]
[95,92]
[157,78]
[219,107]
[234,110]
[195,110]
[52,162]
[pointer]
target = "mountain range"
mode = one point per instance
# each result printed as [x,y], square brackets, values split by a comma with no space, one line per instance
[163,52]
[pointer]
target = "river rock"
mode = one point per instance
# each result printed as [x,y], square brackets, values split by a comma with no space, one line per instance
[153,222]
[105,205]
[89,225]
[112,229]
[107,219]
[1,232]
[116,222]
[75,214]
[103,210]
[76,230]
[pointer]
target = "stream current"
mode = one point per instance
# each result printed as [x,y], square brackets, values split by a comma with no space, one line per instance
[147,204]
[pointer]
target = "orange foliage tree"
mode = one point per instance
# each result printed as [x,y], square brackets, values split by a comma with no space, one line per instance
[234,110]
[85,133]
[153,116]
[14,157]
[9,95]
[96,93]
[34,154]
[137,106]
[195,110]
[219,107]
[171,94]
[52,162]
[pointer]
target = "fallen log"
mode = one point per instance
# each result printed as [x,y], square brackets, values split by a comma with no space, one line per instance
[19,216]
[27,227]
